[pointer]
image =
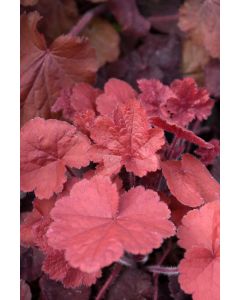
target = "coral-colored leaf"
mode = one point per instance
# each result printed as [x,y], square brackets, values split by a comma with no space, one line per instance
[128,140]
[180,103]
[191,102]
[115,92]
[104,39]
[190,181]
[47,147]
[154,95]
[46,70]
[181,132]
[84,121]
[200,20]
[94,225]
[199,235]
[78,99]
[56,266]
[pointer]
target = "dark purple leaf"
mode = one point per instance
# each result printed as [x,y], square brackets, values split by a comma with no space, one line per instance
[52,290]
[133,284]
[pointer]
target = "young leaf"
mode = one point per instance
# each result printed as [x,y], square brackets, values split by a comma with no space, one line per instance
[191,102]
[154,95]
[94,225]
[199,235]
[47,147]
[127,140]
[115,92]
[180,103]
[190,181]
[46,70]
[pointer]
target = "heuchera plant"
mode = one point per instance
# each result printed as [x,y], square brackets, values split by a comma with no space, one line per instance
[91,166]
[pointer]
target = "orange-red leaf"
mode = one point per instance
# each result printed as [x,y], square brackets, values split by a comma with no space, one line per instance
[190,181]
[78,99]
[181,132]
[115,92]
[57,268]
[94,225]
[47,147]
[180,103]
[46,70]
[127,140]
[199,235]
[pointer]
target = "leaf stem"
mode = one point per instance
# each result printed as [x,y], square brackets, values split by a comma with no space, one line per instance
[163,270]
[156,275]
[115,271]
[86,19]
[162,19]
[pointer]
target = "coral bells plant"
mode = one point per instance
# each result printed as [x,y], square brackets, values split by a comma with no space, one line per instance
[84,223]
[118,175]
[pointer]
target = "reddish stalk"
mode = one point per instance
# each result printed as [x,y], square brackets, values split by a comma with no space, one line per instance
[156,275]
[132,179]
[86,19]
[70,171]
[116,270]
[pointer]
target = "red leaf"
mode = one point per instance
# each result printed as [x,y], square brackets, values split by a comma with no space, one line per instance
[190,181]
[56,266]
[47,147]
[94,225]
[127,140]
[180,132]
[180,103]
[79,99]
[154,95]
[199,235]
[191,102]
[115,92]
[207,156]
[46,70]
[84,121]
